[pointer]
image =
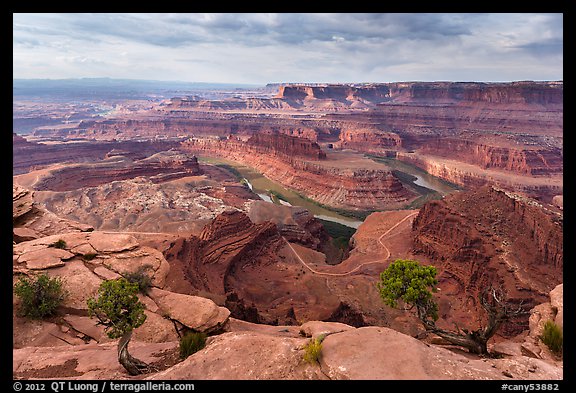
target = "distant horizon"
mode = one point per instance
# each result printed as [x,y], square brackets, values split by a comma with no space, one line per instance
[262,48]
[283,82]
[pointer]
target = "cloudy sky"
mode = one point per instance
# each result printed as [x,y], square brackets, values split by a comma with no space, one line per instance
[262,48]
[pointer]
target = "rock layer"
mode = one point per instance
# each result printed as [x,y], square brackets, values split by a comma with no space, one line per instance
[326,182]
[32,155]
[491,237]
[515,128]
[159,167]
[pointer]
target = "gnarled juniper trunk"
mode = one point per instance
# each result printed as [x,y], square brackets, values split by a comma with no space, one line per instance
[131,364]
[475,341]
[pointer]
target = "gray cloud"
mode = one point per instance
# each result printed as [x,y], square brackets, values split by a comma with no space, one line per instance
[289,46]
[547,47]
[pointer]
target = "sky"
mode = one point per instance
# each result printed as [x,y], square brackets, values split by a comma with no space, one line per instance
[265,48]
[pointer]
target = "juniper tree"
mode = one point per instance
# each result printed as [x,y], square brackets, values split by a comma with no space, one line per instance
[412,284]
[118,308]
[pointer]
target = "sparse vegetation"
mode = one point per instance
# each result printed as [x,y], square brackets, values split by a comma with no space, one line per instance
[313,350]
[359,214]
[140,278]
[40,296]
[119,310]
[191,343]
[276,196]
[340,234]
[89,256]
[232,170]
[61,244]
[423,199]
[408,282]
[552,337]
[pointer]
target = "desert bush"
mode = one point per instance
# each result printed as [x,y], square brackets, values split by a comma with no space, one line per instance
[191,343]
[40,296]
[552,337]
[58,244]
[140,278]
[313,349]
[89,256]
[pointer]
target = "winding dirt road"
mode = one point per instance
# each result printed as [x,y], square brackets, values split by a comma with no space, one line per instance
[380,260]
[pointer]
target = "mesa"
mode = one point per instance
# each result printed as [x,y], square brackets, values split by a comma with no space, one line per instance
[272,212]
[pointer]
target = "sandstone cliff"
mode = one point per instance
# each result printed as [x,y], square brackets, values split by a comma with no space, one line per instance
[28,156]
[515,128]
[490,236]
[159,167]
[523,160]
[469,176]
[252,266]
[299,168]
[541,93]
[368,140]
[286,146]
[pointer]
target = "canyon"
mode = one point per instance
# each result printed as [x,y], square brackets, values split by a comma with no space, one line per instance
[155,184]
[487,131]
[302,166]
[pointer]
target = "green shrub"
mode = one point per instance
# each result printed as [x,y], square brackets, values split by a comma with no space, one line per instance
[140,278]
[313,349]
[40,296]
[552,337]
[191,343]
[89,256]
[117,307]
[58,244]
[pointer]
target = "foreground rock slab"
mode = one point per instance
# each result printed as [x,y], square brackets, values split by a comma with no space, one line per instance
[197,313]
[90,361]
[245,356]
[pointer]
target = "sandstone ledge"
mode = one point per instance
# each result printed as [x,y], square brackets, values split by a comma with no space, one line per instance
[367,353]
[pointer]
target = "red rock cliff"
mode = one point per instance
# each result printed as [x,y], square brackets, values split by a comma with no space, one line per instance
[542,93]
[286,146]
[489,236]
[529,161]
[368,140]
[337,186]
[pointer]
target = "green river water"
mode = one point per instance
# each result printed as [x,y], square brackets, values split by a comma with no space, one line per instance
[262,185]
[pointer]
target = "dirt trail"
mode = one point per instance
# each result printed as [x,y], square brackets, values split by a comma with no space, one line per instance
[380,260]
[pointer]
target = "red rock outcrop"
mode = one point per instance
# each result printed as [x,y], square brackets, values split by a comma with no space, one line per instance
[553,310]
[524,160]
[251,268]
[327,182]
[258,352]
[296,224]
[173,123]
[541,93]
[31,155]
[22,203]
[469,176]
[159,167]
[490,236]
[225,245]
[368,140]
[286,146]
